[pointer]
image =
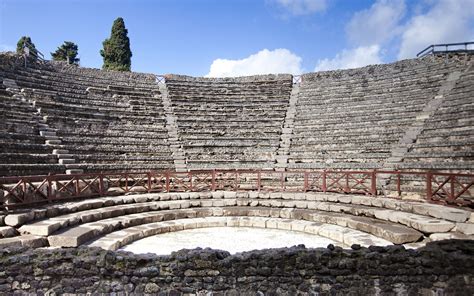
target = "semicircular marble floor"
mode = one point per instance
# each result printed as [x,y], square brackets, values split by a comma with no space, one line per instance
[231,239]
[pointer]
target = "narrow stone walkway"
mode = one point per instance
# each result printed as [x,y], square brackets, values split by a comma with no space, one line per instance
[416,128]
[283,151]
[172,127]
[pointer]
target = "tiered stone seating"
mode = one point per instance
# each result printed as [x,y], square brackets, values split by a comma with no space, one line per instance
[351,119]
[447,140]
[23,151]
[60,117]
[230,122]
[104,121]
[111,222]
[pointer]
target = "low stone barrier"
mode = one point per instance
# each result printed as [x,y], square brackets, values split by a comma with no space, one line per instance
[440,268]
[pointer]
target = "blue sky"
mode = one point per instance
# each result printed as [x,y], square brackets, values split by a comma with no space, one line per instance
[241,37]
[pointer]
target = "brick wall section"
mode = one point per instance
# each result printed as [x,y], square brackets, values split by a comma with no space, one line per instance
[441,268]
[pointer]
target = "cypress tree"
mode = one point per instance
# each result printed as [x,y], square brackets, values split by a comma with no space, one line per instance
[66,52]
[20,44]
[116,53]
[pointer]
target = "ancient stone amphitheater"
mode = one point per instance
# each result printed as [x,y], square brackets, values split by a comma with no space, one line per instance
[378,158]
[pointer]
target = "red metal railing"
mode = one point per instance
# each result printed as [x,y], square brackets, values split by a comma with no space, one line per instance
[448,188]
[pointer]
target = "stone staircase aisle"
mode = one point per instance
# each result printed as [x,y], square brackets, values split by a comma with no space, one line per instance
[45,131]
[283,151]
[172,127]
[412,133]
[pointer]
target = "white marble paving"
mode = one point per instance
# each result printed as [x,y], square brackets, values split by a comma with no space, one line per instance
[232,239]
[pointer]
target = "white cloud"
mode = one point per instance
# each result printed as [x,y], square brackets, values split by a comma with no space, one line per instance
[263,62]
[446,21]
[377,24]
[302,7]
[354,58]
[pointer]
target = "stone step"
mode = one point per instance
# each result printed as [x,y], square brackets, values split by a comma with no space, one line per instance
[65,156]
[30,241]
[7,231]
[339,203]
[48,134]
[60,151]
[67,161]
[80,234]
[53,142]
[74,171]
[47,129]
[73,165]
[139,213]
[73,237]
[115,240]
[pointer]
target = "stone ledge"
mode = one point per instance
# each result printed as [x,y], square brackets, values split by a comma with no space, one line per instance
[99,225]
[114,240]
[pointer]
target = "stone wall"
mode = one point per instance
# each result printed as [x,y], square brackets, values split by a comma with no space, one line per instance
[441,268]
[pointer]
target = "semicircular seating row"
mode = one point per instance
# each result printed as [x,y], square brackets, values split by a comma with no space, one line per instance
[96,120]
[345,119]
[112,222]
[230,123]
[354,117]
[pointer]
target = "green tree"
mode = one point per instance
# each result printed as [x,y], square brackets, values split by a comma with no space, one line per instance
[66,52]
[116,53]
[21,44]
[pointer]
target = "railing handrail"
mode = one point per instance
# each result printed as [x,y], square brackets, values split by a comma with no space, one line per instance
[244,171]
[35,52]
[297,79]
[431,48]
[452,188]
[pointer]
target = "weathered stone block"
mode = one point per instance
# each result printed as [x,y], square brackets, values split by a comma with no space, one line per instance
[217,194]
[230,194]
[19,219]
[71,237]
[466,228]
[43,228]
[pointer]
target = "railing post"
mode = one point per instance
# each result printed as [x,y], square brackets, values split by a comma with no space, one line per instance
[101,184]
[167,181]
[49,189]
[78,188]
[347,189]
[282,181]
[126,183]
[429,190]
[305,184]
[324,185]
[190,176]
[24,189]
[452,189]
[237,180]
[399,189]
[373,183]
[213,180]
[259,180]
[149,175]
